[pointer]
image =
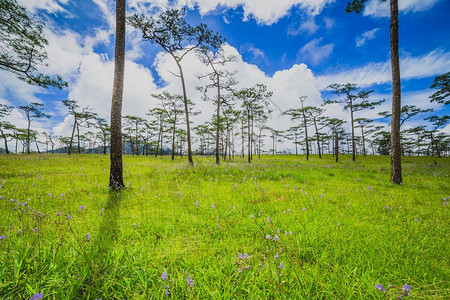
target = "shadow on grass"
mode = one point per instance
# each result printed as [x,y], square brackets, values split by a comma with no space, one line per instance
[97,281]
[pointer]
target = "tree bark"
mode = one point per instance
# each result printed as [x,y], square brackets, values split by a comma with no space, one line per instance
[396,158]
[116,169]
[186,109]
[218,120]
[6,141]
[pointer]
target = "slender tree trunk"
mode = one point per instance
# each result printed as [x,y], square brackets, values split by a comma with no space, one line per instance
[318,138]
[336,146]
[353,130]
[218,120]
[28,134]
[6,141]
[173,141]
[249,138]
[116,169]
[186,109]
[37,146]
[396,156]
[306,136]
[78,137]
[363,141]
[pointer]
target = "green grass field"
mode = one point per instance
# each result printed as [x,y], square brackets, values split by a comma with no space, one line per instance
[279,227]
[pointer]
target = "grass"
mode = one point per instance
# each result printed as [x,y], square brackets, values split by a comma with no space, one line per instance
[337,229]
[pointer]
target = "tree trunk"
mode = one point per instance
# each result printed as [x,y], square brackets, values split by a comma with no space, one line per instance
[318,138]
[71,138]
[336,146]
[218,120]
[28,134]
[6,141]
[186,109]
[78,137]
[116,169]
[353,130]
[396,158]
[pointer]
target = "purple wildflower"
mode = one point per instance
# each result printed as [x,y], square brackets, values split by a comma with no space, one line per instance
[276,255]
[164,276]
[406,287]
[240,270]
[35,229]
[240,256]
[304,208]
[68,217]
[196,204]
[19,232]
[275,238]
[166,292]
[269,220]
[81,207]
[252,216]
[281,265]
[59,214]
[88,237]
[2,237]
[268,236]
[445,203]
[416,220]
[380,287]
[11,200]
[213,205]
[246,255]
[37,296]
[190,281]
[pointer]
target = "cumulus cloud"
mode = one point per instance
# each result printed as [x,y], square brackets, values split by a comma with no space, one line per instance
[263,11]
[380,9]
[315,53]
[366,36]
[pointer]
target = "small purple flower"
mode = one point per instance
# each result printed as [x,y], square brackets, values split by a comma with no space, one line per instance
[281,265]
[252,216]
[445,203]
[88,237]
[246,255]
[247,267]
[416,220]
[240,256]
[135,225]
[164,276]
[2,237]
[380,287]
[11,200]
[37,296]
[276,255]
[196,204]
[35,229]
[190,281]
[59,214]
[166,292]
[69,217]
[406,287]
[269,220]
[289,210]
[240,270]
[81,207]
[213,205]
[19,232]
[304,208]
[268,236]
[275,238]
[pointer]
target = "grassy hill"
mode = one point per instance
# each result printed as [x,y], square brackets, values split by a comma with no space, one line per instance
[280,227]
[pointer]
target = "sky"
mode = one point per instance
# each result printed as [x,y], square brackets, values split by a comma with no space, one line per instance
[295,47]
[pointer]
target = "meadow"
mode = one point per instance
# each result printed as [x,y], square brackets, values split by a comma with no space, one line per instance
[280,227]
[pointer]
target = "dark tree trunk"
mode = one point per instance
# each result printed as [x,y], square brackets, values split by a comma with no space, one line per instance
[318,138]
[28,134]
[336,146]
[218,120]
[6,141]
[396,155]
[116,170]
[186,109]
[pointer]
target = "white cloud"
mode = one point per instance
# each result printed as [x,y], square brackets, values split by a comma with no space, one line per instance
[329,23]
[263,11]
[308,26]
[315,53]
[380,9]
[51,6]
[431,64]
[256,53]
[366,36]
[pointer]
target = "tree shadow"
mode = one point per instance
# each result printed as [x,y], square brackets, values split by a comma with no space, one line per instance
[103,241]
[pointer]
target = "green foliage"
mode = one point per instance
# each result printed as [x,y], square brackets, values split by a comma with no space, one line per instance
[442,83]
[22,45]
[338,229]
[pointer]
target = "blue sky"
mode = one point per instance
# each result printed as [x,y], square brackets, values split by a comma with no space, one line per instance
[296,47]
